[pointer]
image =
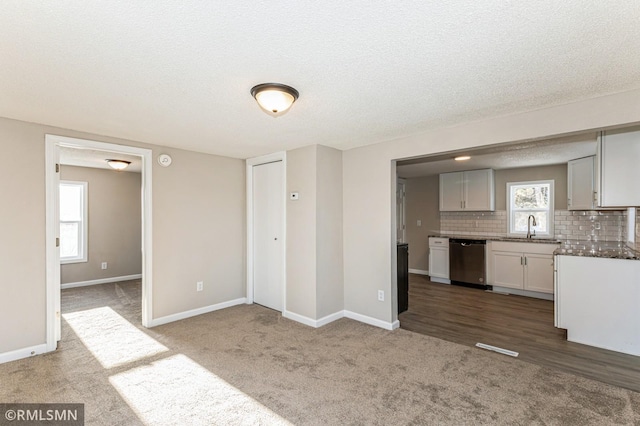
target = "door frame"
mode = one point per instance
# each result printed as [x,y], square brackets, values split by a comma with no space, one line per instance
[250,163]
[52,145]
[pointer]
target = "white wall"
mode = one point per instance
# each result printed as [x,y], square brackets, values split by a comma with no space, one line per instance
[198,230]
[369,177]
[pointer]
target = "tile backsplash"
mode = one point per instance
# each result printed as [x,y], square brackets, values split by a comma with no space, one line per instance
[606,225]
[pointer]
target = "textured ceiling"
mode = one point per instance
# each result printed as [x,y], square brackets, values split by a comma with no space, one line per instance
[97,159]
[178,73]
[503,156]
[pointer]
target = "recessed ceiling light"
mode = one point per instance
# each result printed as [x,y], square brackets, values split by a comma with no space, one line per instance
[462,158]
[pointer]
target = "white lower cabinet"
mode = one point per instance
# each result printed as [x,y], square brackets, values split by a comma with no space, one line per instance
[439,259]
[522,266]
[598,300]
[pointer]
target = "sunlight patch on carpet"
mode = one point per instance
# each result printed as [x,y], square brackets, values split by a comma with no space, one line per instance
[177,390]
[111,339]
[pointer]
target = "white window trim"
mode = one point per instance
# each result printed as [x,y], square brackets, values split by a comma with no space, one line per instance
[83,257]
[551,210]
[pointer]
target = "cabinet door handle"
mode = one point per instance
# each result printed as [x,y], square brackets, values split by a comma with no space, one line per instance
[461,205]
[525,261]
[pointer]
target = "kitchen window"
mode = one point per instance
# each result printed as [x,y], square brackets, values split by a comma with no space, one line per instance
[525,199]
[73,222]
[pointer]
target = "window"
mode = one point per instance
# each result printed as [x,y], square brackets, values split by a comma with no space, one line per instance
[73,222]
[526,199]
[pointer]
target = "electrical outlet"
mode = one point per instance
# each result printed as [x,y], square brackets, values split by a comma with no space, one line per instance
[419,223]
[381,295]
[104,265]
[199,286]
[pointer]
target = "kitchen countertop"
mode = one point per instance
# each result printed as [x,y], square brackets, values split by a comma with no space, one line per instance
[497,238]
[606,249]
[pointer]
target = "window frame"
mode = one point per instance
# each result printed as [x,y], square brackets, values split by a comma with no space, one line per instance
[83,239]
[550,210]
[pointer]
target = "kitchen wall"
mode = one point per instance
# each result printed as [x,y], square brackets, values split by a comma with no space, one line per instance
[422,204]
[604,225]
[556,172]
[114,222]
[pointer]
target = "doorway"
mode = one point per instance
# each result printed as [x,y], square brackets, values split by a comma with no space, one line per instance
[266,231]
[53,145]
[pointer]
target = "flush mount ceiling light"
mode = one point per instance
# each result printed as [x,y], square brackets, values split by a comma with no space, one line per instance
[118,164]
[274,98]
[462,158]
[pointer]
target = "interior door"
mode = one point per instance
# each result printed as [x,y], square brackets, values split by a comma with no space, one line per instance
[268,203]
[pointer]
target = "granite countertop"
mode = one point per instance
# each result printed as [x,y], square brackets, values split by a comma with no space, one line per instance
[606,249]
[497,238]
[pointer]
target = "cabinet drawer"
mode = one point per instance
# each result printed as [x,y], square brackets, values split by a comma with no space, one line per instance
[438,242]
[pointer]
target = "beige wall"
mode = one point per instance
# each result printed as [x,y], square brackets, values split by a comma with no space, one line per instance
[330,269]
[557,172]
[422,203]
[314,232]
[198,230]
[301,232]
[369,178]
[115,224]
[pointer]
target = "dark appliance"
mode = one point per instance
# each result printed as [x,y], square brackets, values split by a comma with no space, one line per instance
[403,277]
[467,261]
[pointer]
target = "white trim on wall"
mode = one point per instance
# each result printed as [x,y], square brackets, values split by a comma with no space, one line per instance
[199,311]
[372,321]
[311,322]
[418,271]
[101,281]
[52,145]
[250,162]
[23,353]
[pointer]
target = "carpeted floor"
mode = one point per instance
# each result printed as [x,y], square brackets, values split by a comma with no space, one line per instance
[248,365]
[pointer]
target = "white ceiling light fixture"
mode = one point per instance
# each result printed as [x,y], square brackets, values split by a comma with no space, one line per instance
[462,158]
[118,164]
[274,98]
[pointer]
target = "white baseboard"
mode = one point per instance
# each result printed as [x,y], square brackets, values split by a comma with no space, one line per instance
[22,353]
[101,281]
[372,321]
[439,280]
[517,292]
[418,271]
[194,312]
[311,322]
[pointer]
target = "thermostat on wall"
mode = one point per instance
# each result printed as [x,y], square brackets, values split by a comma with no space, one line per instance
[164,160]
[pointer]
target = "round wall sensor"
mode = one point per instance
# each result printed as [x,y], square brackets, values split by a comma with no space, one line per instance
[164,160]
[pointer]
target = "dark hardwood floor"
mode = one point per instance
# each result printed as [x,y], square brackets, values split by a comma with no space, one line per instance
[522,324]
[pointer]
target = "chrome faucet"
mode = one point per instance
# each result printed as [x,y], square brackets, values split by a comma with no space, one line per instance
[529,223]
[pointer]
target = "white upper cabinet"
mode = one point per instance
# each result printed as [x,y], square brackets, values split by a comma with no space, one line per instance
[581,190]
[472,190]
[618,168]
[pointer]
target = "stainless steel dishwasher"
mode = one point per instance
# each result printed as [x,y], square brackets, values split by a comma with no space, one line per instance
[467,261]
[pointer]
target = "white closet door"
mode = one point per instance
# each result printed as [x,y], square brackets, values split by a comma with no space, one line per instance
[268,201]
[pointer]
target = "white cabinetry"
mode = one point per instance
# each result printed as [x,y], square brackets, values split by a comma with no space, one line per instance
[581,189]
[439,260]
[472,190]
[522,266]
[618,168]
[598,300]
